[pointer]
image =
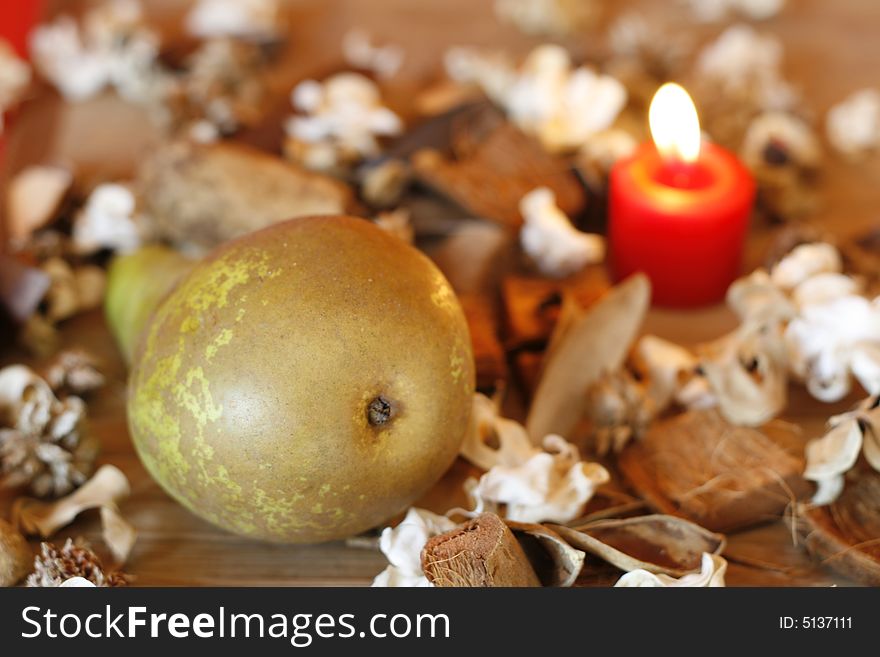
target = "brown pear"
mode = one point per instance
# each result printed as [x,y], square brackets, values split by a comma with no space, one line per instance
[304,382]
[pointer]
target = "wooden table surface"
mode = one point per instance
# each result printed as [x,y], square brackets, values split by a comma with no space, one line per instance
[830,52]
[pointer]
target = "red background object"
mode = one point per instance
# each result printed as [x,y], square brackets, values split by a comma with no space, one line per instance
[689,238]
[16,19]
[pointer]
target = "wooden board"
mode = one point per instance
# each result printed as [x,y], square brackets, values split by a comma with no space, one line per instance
[828,47]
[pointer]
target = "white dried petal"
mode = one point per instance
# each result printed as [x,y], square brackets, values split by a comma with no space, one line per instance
[63,58]
[825,287]
[513,444]
[33,197]
[26,400]
[853,125]
[786,129]
[255,19]
[492,71]
[865,366]
[805,261]
[755,298]
[710,11]
[605,148]
[360,52]
[553,485]
[549,239]
[758,9]
[712,571]
[551,17]
[834,453]
[76,583]
[107,221]
[665,363]
[342,119]
[402,546]
[822,339]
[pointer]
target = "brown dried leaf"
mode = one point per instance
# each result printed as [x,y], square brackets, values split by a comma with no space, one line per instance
[593,343]
[656,543]
[556,562]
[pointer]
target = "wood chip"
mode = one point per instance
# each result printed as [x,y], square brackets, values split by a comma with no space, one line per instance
[720,475]
[845,534]
[493,166]
[482,552]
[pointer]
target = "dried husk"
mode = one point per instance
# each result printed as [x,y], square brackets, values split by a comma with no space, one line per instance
[493,166]
[482,552]
[592,343]
[720,475]
[107,487]
[656,543]
[555,562]
[15,555]
[200,195]
[845,534]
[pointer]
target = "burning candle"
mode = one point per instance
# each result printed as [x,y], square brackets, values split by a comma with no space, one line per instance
[679,208]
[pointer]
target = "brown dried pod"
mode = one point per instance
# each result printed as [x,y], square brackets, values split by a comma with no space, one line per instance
[493,166]
[594,342]
[555,562]
[15,555]
[720,475]
[482,552]
[845,534]
[488,355]
[657,543]
[204,194]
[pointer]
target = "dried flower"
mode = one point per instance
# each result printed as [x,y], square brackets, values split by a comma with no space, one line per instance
[402,545]
[42,439]
[72,291]
[546,97]
[712,571]
[15,75]
[361,53]
[107,221]
[252,19]
[111,47]
[853,125]
[495,440]
[620,409]
[54,567]
[716,10]
[340,123]
[73,371]
[548,17]
[832,455]
[553,484]
[549,239]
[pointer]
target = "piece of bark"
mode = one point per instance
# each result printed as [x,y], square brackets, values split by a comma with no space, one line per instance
[594,343]
[532,305]
[204,194]
[488,354]
[845,534]
[493,165]
[719,475]
[482,552]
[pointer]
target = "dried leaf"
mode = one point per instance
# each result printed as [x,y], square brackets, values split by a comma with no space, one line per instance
[565,562]
[657,543]
[107,487]
[595,342]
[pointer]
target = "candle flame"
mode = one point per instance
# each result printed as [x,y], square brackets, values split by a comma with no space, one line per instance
[674,123]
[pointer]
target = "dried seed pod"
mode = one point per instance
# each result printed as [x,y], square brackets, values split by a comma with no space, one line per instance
[659,544]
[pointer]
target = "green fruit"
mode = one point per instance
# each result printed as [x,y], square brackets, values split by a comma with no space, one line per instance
[136,283]
[305,382]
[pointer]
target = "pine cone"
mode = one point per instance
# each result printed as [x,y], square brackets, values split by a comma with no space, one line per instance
[42,440]
[53,566]
[73,371]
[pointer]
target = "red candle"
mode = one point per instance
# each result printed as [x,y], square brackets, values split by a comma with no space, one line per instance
[679,209]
